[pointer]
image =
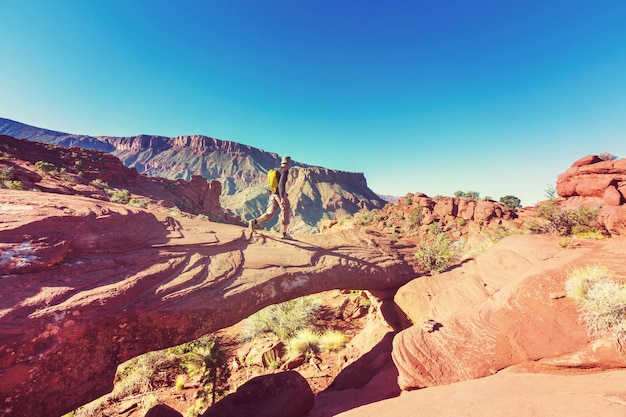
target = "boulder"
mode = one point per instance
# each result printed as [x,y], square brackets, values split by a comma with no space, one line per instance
[285,394]
[162,410]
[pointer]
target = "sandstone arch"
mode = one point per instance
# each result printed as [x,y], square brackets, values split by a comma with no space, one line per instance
[86,285]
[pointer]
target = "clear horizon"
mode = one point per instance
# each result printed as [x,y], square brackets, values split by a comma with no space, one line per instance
[420,96]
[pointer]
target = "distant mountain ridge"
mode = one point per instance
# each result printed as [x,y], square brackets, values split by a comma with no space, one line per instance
[316,193]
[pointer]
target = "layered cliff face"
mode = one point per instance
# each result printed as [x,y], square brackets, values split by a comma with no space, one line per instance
[315,193]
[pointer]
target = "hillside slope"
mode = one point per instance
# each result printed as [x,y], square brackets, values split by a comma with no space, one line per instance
[316,193]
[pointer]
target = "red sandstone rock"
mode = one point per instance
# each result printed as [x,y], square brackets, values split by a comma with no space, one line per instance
[587,160]
[613,197]
[88,284]
[162,410]
[613,219]
[590,177]
[500,310]
[285,394]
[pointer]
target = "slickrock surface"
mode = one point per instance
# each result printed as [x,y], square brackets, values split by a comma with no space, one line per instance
[86,285]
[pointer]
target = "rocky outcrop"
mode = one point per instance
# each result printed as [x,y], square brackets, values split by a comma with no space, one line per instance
[88,284]
[592,181]
[76,169]
[505,308]
[591,176]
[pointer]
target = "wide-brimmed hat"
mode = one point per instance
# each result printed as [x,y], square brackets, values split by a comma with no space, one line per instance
[285,160]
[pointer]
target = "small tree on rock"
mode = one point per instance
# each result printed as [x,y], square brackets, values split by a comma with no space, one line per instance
[511,202]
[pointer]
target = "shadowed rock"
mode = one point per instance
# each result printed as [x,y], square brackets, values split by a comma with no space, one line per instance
[285,394]
[86,285]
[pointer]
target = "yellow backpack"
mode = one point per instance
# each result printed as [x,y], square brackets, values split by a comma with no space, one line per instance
[272,180]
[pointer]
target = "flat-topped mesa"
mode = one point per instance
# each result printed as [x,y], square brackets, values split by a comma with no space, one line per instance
[89,284]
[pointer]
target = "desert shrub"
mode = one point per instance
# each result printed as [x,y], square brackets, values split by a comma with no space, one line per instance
[437,254]
[566,242]
[592,234]
[120,196]
[281,320]
[470,195]
[607,156]
[98,183]
[305,341]
[139,203]
[6,174]
[140,375]
[180,381]
[550,192]
[44,166]
[332,340]
[365,218]
[206,358]
[13,185]
[602,300]
[563,221]
[511,202]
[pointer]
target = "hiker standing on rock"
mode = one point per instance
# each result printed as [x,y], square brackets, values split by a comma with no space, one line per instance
[278,197]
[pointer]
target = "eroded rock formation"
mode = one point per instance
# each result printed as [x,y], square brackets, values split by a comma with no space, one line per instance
[507,307]
[88,284]
[593,181]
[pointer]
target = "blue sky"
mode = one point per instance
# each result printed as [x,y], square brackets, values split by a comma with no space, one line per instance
[497,97]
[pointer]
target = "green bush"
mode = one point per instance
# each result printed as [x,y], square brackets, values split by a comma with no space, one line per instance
[98,183]
[437,254]
[282,320]
[563,221]
[120,196]
[139,203]
[305,341]
[6,174]
[332,340]
[602,300]
[13,185]
[206,358]
[44,166]
[511,202]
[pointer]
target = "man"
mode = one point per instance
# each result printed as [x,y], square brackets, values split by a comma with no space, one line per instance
[278,199]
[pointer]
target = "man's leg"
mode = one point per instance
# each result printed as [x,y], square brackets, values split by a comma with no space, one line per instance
[285,214]
[272,207]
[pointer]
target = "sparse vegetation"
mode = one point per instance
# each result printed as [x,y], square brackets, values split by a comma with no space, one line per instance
[602,301]
[438,253]
[6,174]
[607,156]
[13,185]
[332,340]
[137,202]
[469,195]
[511,202]
[98,183]
[44,166]
[119,196]
[550,192]
[202,359]
[563,221]
[282,320]
[205,358]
